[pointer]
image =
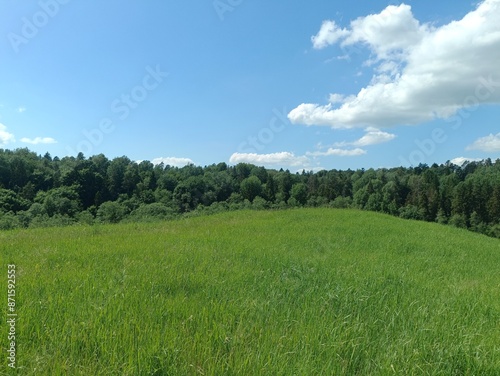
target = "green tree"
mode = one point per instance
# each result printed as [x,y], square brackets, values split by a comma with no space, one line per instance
[251,187]
[62,201]
[299,193]
[188,194]
[11,201]
[115,175]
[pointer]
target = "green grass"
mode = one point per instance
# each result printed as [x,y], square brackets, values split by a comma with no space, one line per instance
[298,292]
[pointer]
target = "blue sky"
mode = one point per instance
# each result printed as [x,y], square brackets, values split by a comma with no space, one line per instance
[295,84]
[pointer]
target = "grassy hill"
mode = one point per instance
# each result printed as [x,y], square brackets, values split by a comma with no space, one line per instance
[298,292]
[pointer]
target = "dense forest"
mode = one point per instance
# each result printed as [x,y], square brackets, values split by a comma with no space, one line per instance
[40,191]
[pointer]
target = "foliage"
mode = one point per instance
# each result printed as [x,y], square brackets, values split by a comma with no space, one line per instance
[250,188]
[151,212]
[36,189]
[111,212]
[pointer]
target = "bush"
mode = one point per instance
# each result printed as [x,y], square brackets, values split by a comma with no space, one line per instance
[151,212]
[8,221]
[235,198]
[441,217]
[341,202]
[494,231]
[62,201]
[111,212]
[24,218]
[57,220]
[218,207]
[458,220]
[40,221]
[259,203]
[411,212]
[85,217]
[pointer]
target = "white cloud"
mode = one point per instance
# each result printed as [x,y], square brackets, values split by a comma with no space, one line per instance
[313,169]
[329,34]
[38,140]
[172,161]
[21,109]
[489,144]
[391,31]
[338,152]
[5,137]
[274,159]
[373,136]
[309,161]
[421,72]
[336,98]
[459,161]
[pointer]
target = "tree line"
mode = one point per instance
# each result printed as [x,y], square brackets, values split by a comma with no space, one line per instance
[38,190]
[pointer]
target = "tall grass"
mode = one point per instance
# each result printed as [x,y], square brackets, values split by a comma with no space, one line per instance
[299,292]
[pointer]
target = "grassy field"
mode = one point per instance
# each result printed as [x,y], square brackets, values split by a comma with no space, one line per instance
[299,292]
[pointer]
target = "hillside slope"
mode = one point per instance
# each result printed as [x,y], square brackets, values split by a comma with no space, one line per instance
[304,292]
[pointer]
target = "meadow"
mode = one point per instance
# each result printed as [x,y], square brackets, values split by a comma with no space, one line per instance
[296,292]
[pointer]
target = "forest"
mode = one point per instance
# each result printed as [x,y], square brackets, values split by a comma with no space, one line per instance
[40,191]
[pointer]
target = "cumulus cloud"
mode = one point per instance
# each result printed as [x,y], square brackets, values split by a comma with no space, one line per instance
[5,137]
[373,136]
[38,140]
[172,161]
[21,109]
[421,72]
[287,159]
[459,161]
[338,153]
[489,144]
[329,34]
[274,159]
[336,98]
[387,33]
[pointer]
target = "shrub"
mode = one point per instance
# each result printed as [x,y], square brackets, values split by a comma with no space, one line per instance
[111,212]
[8,221]
[458,220]
[155,211]
[259,203]
[411,212]
[85,217]
[341,202]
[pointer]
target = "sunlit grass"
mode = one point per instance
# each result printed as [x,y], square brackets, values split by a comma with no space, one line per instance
[299,292]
